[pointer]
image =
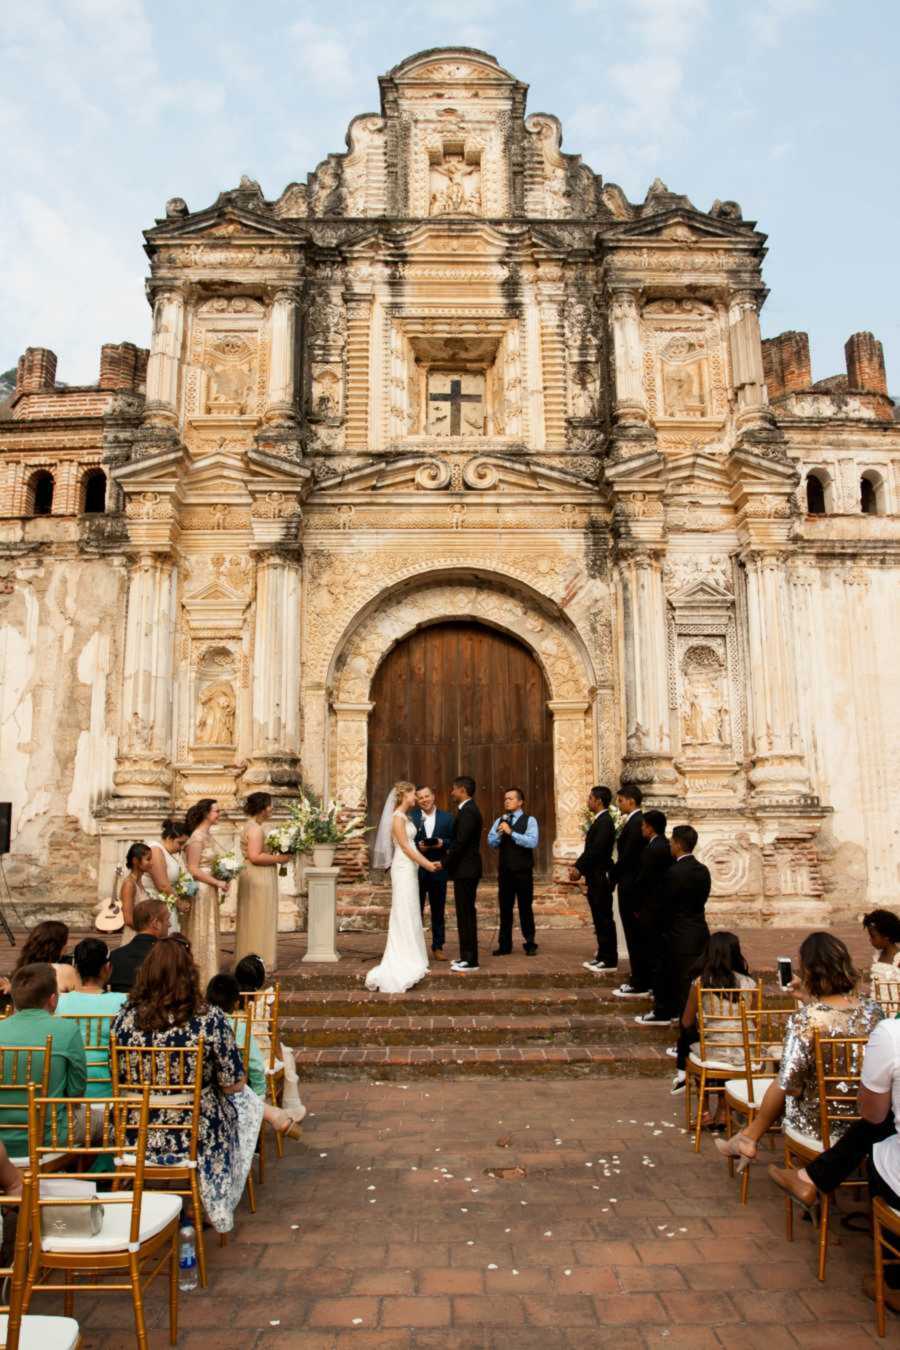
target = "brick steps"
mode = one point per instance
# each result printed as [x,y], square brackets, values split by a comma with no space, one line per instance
[405,1062]
[469,1031]
[358,1003]
[302,980]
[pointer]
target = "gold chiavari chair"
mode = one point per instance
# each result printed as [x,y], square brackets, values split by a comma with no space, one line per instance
[838,1071]
[129,1233]
[174,1077]
[265,1025]
[886,1235]
[33,1332]
[743,1096]
[719,1055]
[95,1029]
[19,1066]
[886,994]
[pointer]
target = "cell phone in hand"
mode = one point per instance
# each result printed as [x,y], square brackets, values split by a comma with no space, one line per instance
[785,971]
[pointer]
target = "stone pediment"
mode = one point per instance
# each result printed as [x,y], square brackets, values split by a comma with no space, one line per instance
[450,66]
[459,474]
[680,225]
[225,224]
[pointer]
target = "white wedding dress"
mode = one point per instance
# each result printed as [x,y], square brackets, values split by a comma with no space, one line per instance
[405,959]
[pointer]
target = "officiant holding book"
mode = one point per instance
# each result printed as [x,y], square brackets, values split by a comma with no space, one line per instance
[434,830]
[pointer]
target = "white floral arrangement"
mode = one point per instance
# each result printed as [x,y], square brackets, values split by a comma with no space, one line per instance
[226,866]
[284,839]
[587,818]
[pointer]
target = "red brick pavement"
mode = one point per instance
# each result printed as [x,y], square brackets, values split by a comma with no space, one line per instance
[383,1230]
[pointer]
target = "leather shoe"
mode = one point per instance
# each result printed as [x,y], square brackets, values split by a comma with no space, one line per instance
[438,954]
[804,1192]
[891,1296]
[531,949]
[502,951]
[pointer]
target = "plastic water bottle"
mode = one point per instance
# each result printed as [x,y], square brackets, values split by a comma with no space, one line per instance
[188,1277]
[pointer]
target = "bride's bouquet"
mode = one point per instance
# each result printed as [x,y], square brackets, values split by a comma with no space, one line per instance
[226,866]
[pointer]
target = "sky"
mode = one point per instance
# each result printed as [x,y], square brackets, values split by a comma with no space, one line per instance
[109,107]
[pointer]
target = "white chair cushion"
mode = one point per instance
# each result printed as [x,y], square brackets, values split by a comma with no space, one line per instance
[157,1210]
[25,1161]
[804,1140]
[736,1088]
[44,1333]
[698,1063]
[277,1067]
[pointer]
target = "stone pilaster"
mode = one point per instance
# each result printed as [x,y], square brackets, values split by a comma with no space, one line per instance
[573,761]
[145,753]
[275,756]
[281,395]
[778,760]
[747,372]
[630,408]
[648,745]
[165,358]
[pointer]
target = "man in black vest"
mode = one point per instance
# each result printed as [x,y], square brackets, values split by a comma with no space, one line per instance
[594,864]
[516,836]
[625,873]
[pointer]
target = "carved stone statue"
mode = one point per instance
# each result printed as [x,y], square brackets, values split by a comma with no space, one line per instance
[455,187]
[705,719]
[683,369]
[215,718]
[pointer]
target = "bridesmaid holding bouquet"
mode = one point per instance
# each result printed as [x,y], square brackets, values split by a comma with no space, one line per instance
[257,902]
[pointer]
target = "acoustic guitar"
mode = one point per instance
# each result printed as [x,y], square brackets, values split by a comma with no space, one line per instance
[109,917]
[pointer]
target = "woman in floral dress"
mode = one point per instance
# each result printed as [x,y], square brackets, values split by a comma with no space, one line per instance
[166,1009]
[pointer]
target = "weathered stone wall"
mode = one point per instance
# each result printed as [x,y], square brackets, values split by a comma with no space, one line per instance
[61,619]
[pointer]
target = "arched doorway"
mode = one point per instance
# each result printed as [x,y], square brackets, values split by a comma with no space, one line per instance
[457,698]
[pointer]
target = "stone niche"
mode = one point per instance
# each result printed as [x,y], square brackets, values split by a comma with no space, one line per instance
[227,366]
[215,706]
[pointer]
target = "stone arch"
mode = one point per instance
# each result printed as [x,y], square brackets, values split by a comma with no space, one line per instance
[499,602]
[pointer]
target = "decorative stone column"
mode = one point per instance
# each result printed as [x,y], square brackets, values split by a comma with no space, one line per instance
[747,363]
[275,757]
[165,358]
[572,772]
[625,316]
[144,766]
[648,745]
[281,397]
[351,731]
[778,761]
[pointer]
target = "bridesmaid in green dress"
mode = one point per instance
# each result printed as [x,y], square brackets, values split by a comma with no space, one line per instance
[257,902]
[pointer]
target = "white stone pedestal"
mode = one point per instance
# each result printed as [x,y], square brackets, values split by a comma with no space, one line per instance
[321,914]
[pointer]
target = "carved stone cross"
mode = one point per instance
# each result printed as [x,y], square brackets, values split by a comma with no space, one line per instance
[456,398]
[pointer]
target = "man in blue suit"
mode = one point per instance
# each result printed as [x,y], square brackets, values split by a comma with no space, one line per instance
[434,830]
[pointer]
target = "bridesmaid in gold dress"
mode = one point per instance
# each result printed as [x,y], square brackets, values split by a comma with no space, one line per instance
[201,925]
[257,903]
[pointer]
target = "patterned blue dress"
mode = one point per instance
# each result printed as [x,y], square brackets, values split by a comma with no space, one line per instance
[229,1123]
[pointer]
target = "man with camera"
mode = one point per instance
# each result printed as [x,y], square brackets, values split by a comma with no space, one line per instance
[434,830]
[516,836]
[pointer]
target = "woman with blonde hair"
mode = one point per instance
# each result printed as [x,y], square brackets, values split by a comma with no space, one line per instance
[405,959]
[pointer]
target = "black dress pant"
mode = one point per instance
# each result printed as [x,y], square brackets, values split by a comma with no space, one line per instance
[635,937]
[600,901]
[433,889]
[843,1158]
[512,887]
[465,892]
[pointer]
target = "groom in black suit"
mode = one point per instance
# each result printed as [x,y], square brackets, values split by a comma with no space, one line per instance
[464,867]
[594,865]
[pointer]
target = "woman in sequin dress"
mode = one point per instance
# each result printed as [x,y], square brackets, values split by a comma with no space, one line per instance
[831,1006]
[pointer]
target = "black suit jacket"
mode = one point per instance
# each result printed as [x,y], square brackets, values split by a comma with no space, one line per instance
[443,830]
[656,860]
[629,852]
[595,862]
[464,855]
[688,884]
[126,962]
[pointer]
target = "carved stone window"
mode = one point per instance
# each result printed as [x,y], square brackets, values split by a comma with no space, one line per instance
[456,403]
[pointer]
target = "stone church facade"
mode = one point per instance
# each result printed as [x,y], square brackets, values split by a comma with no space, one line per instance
[455,377]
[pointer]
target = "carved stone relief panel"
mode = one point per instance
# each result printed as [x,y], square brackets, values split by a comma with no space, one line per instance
[705,710]
[456,164]
[683,361]
[215,711]
[227,367]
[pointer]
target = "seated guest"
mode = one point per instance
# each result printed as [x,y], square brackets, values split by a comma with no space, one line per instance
[883,929]
[151,922]
[224,992]
[35,999]
[875,1138]
[724,968]
[46,943]
[91,958]
[138,861]
[827,989]
[166,1009]
[250,973]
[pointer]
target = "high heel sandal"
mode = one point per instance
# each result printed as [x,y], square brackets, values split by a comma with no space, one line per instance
[290,1129]
[736,1147]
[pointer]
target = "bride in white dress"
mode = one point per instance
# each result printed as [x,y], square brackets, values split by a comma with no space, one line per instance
[405,959]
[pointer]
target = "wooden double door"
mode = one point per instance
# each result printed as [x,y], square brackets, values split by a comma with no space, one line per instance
[461,698]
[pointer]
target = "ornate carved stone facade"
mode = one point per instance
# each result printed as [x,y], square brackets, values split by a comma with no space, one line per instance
[455,375]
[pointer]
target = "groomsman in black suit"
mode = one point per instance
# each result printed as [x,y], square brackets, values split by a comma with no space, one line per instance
[594,864]
[688,884]
[626,870]
[434,830]
[655,865]
[464,868]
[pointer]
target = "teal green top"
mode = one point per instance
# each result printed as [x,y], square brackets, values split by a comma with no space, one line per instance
[92,1004]
[68,1071]
[256,1071]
